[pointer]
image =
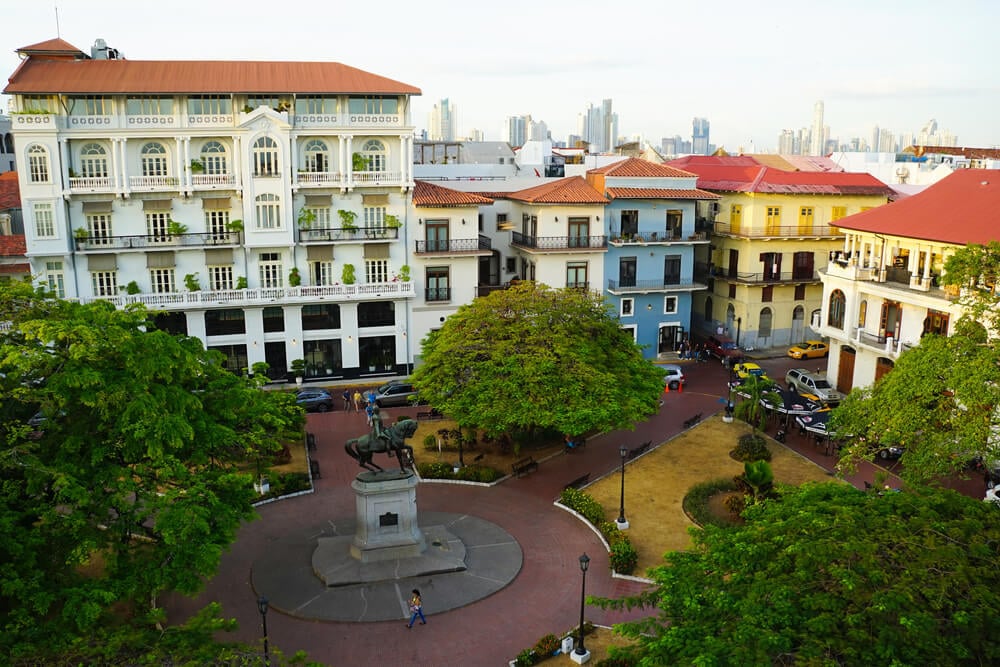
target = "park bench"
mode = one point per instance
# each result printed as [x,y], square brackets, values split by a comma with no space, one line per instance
[640,450]
[311,441]
[524,466]
[578,482]
[691,421]
[314,469]
[429,415]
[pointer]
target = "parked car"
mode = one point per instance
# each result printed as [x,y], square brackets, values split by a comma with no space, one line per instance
[891,453]
[816,384]
[723,348]
[318,400]
[673,376]
[811,349]
[748,368]
[396,393]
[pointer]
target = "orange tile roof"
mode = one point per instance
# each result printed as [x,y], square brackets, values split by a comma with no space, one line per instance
[10,193]
[50,76]
[634,166]
[51,46]
[428,194]
[740,177]
[12,245]
[571,190]
[659,193]
[971,153]
[962,208]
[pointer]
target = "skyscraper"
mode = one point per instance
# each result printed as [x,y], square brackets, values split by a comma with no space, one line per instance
[442,121]
[699,136]
[816,139]
[515,129]
[598,126]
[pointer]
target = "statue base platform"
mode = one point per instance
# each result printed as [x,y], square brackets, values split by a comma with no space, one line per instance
[335,564]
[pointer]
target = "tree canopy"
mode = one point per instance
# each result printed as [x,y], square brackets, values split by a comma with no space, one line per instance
[131,484]
[829,575]
[531,356]
[940,400]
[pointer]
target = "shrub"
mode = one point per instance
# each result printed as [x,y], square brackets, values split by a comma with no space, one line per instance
[616,661]
[488,475]
[696,501]
[623,556]
[751,447]
[584,504]
[435,470]
[430,442]
[547,645]
[525,658]
[443,470]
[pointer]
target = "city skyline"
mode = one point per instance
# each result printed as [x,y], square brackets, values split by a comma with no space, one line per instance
[741,72]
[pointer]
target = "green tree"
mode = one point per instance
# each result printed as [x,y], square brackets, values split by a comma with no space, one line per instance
[534,357]
[830,575]
[132,485]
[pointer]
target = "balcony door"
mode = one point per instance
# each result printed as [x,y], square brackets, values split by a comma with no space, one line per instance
[579,232]
[630,223]
[437,235]
[626,272]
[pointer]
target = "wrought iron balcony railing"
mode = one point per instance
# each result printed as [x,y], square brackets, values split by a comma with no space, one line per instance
[559,242]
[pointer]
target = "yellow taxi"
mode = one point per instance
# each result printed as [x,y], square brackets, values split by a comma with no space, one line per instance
[749,369]
[811,349]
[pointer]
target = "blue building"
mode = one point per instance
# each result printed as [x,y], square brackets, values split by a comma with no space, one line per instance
[649,265]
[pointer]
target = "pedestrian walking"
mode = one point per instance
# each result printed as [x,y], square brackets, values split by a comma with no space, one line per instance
[416,609]
[347,400]
[370,412]
[357,400]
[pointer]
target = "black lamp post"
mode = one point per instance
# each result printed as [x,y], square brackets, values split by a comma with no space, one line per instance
[739,325]
[262,608]
[622,523]
[584,564]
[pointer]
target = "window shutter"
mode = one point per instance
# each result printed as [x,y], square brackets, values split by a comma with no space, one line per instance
[102,262]
[97,206]
[157,204]
[160,260]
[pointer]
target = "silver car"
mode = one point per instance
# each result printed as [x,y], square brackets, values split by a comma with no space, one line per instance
[673,376]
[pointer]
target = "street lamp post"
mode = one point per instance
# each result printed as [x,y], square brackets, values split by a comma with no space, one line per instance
[262,608]
[622,523]
[580,653]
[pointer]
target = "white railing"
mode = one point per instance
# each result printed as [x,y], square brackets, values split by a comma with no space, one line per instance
[210,120]
[379,177]
[90,183]
[320,177]
[151,120]
[163,182]
[262,296]
[91,122]
[203,180]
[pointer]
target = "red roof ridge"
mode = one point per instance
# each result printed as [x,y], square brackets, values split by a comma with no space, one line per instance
[429,194]
[570,190]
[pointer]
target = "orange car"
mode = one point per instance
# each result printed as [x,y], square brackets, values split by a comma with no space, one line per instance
[811,349]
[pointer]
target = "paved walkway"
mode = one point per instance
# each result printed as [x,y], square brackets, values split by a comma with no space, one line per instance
[543,597]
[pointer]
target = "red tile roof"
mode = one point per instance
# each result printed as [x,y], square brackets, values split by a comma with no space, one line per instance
[633,167]
[47,76]
[659,193]
[428,194]
[971,153]
[571,190]
[961,208]
[12,245]
[10,193]
[729,177]
[56,45]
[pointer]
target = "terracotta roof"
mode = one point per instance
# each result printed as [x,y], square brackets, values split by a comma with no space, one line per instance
[737,178]
[51,46]
[572,190]
[44,76]
[972,153]
[12,245]
[961,208]
[428,194]
[10,193]
[634,166]
[15,269]
[659,193]
[688,162]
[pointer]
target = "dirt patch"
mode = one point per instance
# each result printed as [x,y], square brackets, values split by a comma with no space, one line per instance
[480,453]
[656,483]
[717,506]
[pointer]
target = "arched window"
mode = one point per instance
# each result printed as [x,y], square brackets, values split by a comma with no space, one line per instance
[764,328]
[268,211]
[317,160]
[93,161]
[154,160]
[862,314]
[38,164]
[213,158]
[838,304]
[8,143]
[265,157]
[374,154]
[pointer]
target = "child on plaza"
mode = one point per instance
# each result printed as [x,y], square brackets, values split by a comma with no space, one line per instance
[357,400]
[416,609]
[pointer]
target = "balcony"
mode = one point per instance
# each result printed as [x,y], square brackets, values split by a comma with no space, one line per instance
[317,235]
[656,238]
[85,184]
[320,179]
[264,296]
[669,284]
[567,243]
[377,178]
[153,241]
[437,294]
[213,181]
[779,232]
[154,183]
[765,277]
[480,246]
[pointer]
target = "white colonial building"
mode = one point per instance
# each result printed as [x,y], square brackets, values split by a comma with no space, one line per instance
[884,290]
[261,206]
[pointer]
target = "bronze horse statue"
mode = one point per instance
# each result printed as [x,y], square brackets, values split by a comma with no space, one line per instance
[390,440]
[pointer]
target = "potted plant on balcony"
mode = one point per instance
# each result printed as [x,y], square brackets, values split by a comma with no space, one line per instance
[404,273]
[359,162]
[347,275]
[235,225]
[294,278]
[175,228]
[392,221]
[241,282]
[81,234]
[347,219]
[197,166]
[298,370]
[132,287]
[307,217]
[191,282]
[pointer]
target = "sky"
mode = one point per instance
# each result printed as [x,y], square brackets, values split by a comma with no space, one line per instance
[751,69]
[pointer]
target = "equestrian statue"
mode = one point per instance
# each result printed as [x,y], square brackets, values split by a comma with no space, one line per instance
[390,440]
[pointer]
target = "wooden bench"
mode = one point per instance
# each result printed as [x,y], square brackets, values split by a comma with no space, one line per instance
[691,421]
[578,482]
[524,466]
[311,441]
[640,450]
[429,415]
[314,469]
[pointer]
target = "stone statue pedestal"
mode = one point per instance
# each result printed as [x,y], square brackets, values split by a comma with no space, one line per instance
[387,529]
[388,543]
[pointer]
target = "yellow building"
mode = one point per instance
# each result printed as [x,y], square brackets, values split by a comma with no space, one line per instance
[770,231]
